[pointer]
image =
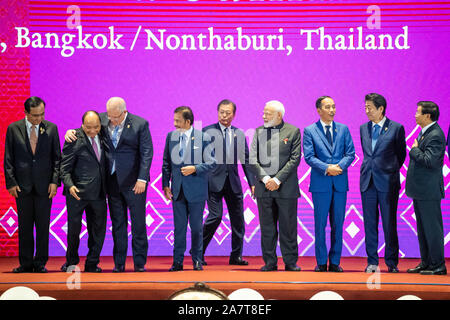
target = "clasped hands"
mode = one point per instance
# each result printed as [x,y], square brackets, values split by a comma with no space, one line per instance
[271,185]
[334,170]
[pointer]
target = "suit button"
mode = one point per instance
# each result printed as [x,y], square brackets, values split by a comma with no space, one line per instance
[34,160]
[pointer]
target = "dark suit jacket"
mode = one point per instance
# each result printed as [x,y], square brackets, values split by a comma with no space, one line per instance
[319,154]
[219,174]
[80,168]
[424,180]
[282,164]
[384,163]
[195,186]
[26,170]
[134,152]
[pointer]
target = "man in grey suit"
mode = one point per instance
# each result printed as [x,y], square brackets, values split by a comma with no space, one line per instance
[425,185]
[275,155]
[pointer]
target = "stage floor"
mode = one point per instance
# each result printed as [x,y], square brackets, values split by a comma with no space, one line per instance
[157,283]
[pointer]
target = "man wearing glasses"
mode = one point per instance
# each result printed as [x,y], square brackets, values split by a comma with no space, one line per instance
[32,158]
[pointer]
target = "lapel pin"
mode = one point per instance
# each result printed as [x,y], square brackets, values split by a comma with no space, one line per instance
[192,138]
[385,129]
[285,140]
[41,130]
[128,126]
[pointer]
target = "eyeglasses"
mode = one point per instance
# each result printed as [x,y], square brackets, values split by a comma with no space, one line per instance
[117,117]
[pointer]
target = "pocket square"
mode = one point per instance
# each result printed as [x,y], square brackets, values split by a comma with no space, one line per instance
[195,147]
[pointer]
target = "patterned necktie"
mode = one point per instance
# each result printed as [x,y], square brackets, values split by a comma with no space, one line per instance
[328,135]
[182,146]
[375,135]
[33,138]
[114,136]
[95,147]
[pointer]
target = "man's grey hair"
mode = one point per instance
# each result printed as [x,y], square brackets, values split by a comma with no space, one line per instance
[277,105]
[116,103]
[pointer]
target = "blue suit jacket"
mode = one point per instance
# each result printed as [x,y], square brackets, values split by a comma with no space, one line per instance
[384,163]
[219,174]
[199,152]
[319,154]
[134,152]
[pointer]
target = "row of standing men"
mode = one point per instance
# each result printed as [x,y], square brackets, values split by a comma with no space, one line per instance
[111,154]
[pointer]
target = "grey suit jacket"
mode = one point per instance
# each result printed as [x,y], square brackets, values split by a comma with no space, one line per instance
[424,180]
[277,157]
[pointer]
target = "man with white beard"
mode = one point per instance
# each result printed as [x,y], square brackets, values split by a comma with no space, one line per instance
[275,155]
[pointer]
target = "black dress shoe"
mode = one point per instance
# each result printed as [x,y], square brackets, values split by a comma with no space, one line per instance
[393,270]
[335,268]
[118,269]
[176,267]
[139,269]
[204,263]
[238,262]
[437,271]
[198,266]
[68,267]
[321,268]
[40,269]
[21,269]
[292,267]
[417,269]
[269,268]
[93,269]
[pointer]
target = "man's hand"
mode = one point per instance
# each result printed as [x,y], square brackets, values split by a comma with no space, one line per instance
[253,192]
[73,191]
[415,144]
[14,191]
[271,185]
[70,136]
[52,188]
[334,170]
[168,193]
[139,187]
[188,170]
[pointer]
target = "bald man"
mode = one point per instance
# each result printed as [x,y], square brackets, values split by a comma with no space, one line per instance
[129,157]
[83,171]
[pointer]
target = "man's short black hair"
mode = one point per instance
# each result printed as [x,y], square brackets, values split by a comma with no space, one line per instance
[378,101]
[227,102]
[319,101]
[431,108]
[186,112]
[32,102]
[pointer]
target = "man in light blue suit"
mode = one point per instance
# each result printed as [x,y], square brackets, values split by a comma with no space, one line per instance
[384,147]
[186,163]
[328,148]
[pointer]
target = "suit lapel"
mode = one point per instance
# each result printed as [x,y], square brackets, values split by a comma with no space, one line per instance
[319,130]
[126,130]
[88,144]
[427,133]
[23,130]
[42,132]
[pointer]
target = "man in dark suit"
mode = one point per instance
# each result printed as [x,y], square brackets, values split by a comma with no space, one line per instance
[328,148]
[186,163]
[384,147]
[425,185]
[130,153]
[275,156]
[32,159]
[83,172]
[224,181]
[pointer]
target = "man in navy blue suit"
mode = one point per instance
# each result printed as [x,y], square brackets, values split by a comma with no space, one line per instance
[384,147]
[224,180]
[328,148]
[188,158]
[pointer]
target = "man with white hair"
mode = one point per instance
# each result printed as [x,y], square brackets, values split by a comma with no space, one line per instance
[275,155]
[130,153]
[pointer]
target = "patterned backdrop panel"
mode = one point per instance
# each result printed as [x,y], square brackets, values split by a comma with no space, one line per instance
[155,75]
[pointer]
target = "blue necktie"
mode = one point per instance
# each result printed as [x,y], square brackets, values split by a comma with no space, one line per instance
[375,135]
[114,141]
[182,146]
[328,135]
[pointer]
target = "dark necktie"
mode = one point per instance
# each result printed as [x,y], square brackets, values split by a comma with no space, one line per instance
[328,135]
[375,135]
[182,146]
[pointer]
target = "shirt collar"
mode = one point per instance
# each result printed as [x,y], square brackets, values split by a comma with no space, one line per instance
[222,127]
[324,125]
[424,129]
[29,124]
[187,133]
[121,124]
[381,123]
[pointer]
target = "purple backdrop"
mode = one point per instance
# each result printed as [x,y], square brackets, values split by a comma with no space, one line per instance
[154,82]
